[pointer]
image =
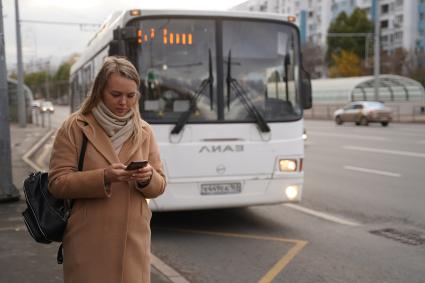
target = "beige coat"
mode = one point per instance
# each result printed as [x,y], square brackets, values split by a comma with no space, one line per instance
[108,236]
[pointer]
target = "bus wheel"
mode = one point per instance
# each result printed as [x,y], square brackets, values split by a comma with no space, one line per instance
[384,124]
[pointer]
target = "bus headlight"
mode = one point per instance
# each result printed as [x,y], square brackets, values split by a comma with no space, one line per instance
[287,165]
[292,192]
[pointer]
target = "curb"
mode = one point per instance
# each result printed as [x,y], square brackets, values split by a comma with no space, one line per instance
[171,274]
[167,271]
[34,148]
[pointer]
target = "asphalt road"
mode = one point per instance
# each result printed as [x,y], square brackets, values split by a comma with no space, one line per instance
[372,174]
[361,218]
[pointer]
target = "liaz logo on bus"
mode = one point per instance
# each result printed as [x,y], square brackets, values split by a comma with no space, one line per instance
[221,148]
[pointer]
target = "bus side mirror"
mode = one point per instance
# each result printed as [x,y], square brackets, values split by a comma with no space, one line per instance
[120,36]
[306,96]
[114,48]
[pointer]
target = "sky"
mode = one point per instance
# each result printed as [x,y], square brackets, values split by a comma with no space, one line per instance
[55,43]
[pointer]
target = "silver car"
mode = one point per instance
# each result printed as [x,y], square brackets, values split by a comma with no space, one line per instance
[47,106]
[363,113]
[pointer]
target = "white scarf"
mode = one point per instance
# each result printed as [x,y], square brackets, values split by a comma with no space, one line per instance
[119,129]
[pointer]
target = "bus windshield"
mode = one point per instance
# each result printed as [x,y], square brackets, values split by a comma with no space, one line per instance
[244,61]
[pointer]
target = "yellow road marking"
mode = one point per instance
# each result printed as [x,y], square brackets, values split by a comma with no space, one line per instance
[283,262]
[277,268]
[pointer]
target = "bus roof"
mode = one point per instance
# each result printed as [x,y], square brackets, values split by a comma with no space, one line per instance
[120,18]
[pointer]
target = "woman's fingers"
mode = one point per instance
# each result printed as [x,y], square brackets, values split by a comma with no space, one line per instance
[118,166]
[117,172]
[144,174]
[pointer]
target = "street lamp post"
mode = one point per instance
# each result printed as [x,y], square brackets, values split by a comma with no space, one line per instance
[7,189]
[377,48]
[22,117]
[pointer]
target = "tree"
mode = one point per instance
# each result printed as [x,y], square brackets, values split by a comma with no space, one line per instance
[36,81]
[62,74]
[346,64]
[313,59]
[357,22]
[42,82]
[415,66]
[394,62]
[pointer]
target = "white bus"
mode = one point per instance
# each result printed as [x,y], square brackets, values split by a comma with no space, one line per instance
[224,92]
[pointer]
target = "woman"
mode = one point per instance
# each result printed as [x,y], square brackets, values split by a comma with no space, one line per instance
[107,238]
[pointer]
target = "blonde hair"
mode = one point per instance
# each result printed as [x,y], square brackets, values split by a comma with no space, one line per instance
[123,67]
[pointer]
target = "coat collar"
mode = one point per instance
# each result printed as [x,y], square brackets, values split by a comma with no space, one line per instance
[100,140]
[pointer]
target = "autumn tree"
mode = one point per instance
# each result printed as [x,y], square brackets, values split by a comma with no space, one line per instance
[358,23]
[344,49]
[346,64]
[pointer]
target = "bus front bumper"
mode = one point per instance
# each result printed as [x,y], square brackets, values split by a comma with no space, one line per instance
[227,193]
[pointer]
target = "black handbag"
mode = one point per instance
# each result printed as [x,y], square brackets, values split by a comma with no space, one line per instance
[46,216]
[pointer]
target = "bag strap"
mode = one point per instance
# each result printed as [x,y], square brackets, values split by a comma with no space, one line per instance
[59,256]
[82,153]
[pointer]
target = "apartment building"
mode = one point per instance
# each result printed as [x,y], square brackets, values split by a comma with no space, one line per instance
[402,22]
[421,26]
[317,14]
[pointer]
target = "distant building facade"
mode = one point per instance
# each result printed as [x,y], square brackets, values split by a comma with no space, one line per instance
[317,14]
[421,25]
[402,21]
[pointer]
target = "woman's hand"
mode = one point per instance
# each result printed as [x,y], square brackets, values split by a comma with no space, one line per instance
[117,173]
[142,175]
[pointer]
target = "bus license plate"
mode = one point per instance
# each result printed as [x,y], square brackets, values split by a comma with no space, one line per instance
[221,189]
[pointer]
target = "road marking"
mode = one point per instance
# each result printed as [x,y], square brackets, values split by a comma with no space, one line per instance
[372,171]
[13,228]
[387,151]
[322,215]
[376,138]
[283,262]
[277,267]
[28,155]
[41,158]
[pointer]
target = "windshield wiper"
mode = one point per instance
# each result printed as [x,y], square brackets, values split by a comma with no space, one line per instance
[184,117]
[246,101]
[286,63]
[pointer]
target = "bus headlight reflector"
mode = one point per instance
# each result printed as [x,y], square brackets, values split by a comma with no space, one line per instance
[291,192]
[287,165]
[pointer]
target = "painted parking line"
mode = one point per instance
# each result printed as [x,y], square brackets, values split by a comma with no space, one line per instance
[385,151]
[276,268]
[372,171]
[322,215]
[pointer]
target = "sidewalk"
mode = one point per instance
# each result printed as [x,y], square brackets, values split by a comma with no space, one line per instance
[21,258]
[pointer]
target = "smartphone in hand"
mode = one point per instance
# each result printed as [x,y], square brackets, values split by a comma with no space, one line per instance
[134,165]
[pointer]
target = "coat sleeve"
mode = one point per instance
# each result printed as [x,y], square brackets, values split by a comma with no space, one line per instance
[157,184]
[65,181]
